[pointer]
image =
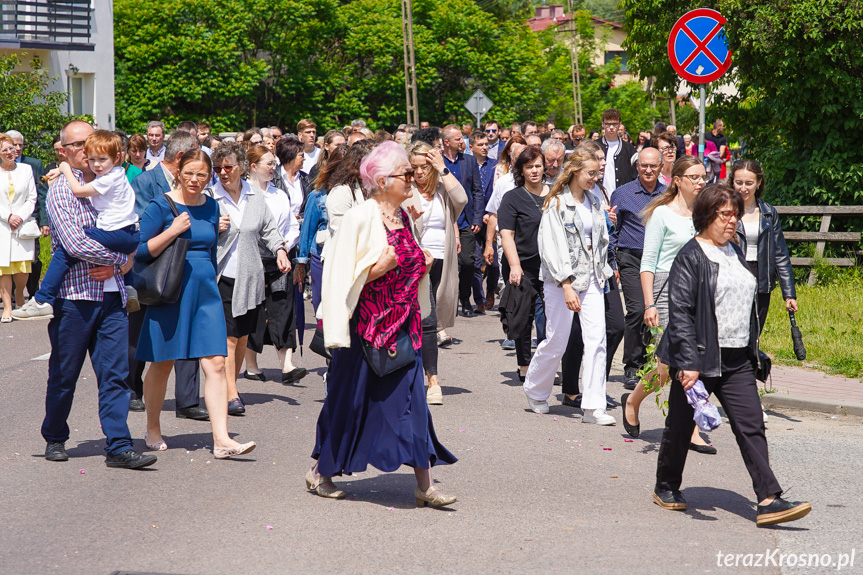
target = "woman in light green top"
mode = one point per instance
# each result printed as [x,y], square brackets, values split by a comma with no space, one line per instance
[667,228]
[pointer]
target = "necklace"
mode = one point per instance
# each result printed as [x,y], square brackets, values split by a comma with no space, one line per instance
[397,221]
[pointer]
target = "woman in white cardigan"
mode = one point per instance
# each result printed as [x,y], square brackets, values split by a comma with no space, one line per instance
[17,201]
[376,291]
[573,247]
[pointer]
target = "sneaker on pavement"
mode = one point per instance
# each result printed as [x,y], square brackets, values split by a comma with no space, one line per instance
[630,379]
[56,451]
[129,459]
[33,309]
[537,406]
[507,345]
[597,416]
[132,303]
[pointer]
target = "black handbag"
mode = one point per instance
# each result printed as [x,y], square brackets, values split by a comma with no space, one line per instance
[318,346]
[160,282]
[385,361]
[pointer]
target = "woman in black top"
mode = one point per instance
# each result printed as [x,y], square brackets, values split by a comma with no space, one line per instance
[518,219]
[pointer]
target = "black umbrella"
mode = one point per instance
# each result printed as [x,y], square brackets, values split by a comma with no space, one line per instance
[797,338]
[300,313]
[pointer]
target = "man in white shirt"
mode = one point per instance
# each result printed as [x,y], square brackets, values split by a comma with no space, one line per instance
[307,131]
[156,141]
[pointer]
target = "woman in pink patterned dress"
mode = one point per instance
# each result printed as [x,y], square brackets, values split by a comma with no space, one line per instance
[375,286]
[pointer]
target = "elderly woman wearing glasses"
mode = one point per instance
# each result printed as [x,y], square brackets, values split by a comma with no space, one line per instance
[712,339]
[376,290]
[241,272]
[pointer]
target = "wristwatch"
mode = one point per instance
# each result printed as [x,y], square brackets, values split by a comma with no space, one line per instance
[445,172]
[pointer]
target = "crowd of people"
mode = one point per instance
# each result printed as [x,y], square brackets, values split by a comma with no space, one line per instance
[580,243]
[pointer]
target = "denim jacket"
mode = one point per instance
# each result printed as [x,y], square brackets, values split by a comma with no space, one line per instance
[314,221]
[563,246]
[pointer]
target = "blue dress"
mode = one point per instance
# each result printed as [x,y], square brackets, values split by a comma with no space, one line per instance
[193,326]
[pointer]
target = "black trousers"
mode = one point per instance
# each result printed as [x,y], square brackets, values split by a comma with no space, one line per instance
[738,393]
[277,319]
[429,324]
[522,344]
[762,300]
[629,266]
[35,275]
[466,264]
[187,382]
[614,328]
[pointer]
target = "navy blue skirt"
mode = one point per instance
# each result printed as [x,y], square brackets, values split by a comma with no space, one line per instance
[368,420]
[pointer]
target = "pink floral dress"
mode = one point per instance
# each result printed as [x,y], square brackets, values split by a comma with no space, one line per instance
[390,301]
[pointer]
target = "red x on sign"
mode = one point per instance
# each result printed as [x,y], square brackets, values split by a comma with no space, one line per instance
[697,48]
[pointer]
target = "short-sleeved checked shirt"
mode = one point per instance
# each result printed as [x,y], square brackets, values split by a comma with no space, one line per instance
[69,217]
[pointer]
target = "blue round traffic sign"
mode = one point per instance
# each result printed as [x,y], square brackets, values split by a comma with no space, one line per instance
[697,46]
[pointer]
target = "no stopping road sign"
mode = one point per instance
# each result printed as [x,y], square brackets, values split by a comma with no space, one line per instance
[697,46]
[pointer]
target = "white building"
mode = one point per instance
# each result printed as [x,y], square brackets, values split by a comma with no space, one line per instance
[74,39]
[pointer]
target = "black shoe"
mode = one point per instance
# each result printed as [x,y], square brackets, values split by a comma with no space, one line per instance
[521,377]
[576,403]
[236,407]
[632,430]
[295,374]
[672,500]
[195,412]
[781,511]
[255,376]
[466,310]
[705,449]
[129,459]
[630,379]
[137,405]
[56,451]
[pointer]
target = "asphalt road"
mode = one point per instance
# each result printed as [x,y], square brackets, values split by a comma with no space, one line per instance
[537,494]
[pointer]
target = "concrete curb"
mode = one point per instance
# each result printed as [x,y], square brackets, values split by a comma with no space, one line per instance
[776,400]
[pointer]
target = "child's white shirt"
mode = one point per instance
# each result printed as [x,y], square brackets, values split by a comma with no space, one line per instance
[115,200]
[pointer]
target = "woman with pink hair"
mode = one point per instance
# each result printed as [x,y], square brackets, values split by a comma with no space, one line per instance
[375,291]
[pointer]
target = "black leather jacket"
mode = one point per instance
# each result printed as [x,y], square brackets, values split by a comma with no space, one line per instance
[773,259]
[691,340]
[305,184]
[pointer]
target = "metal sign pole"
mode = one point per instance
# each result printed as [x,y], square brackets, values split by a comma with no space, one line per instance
[701,123]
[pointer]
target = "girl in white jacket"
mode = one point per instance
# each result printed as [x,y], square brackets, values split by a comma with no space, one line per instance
[573,247]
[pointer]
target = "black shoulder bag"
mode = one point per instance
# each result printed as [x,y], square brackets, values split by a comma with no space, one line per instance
[161,281]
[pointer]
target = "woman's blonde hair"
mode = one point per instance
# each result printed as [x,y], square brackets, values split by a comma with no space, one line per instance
[420,148]
[679,168]
[574,164]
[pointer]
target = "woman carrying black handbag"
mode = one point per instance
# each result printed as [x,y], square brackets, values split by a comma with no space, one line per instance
[194,325]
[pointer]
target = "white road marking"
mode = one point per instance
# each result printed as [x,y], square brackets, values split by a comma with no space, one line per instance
[44,357]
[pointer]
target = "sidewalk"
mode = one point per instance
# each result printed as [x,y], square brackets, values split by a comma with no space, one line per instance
[801,388]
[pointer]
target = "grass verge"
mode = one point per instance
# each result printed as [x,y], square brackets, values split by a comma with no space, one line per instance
[831,322]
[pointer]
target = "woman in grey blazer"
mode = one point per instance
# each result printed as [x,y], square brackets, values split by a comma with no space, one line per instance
[240,270]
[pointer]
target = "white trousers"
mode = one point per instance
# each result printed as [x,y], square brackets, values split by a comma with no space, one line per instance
[558,324]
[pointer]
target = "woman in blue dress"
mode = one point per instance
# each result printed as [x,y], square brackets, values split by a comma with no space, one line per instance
[193,326]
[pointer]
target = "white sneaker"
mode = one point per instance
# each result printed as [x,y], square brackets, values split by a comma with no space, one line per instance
[537,406]
[597,416]
[33,309]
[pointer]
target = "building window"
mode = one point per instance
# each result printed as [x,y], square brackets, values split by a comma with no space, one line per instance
[612,54]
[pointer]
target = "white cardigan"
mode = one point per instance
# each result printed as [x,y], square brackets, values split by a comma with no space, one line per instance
[348,256]
[23,202]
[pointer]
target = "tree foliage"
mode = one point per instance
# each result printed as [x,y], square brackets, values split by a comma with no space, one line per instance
[798,68]
[29,107]
[237,63]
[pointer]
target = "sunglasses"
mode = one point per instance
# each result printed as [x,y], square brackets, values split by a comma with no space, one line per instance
[491,131]
[228,169]
[408,176]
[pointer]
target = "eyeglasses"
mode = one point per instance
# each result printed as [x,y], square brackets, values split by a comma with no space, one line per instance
[611,124]
[408,176]
[75,145]
[695,178]
[666,149]
[491,131]
[649,166]
[200,176]
[726,215]
[228,169]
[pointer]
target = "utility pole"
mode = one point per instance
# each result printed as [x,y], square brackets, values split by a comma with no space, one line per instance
[573,63]
[411,106]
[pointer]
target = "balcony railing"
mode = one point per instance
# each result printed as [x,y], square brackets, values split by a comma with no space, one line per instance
[58,24]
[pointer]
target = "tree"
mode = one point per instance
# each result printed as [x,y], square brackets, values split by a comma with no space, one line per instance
[29,107]
[797,67]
